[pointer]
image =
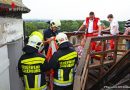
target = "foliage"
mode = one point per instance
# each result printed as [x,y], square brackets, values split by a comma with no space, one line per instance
[34,26]
[67,25]
[29,27]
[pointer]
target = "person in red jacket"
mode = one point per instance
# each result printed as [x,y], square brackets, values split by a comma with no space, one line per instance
[92,25]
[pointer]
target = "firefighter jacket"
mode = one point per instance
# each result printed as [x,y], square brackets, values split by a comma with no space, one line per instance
[32,67]
[63,62]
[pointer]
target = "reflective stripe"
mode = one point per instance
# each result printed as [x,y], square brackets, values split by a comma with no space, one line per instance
[35,60]
[44,87]
[26,81]
[68,56]
[39,80]
[61,75]
[71,74]
[62,83]
[58,74]
[98,55]
[36,81]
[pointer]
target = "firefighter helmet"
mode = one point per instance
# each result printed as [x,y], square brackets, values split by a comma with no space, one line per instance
[35,40]
[55,23]
[61,38]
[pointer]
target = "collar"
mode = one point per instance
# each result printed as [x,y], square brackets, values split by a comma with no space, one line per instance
[65,45]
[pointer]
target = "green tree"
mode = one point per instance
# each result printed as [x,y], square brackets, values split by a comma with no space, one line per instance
[29,28]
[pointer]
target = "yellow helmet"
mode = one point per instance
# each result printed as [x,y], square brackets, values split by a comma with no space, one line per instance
[35,40]
[37,33]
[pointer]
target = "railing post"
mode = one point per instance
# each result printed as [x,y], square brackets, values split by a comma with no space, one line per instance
[102,59]
[116,38]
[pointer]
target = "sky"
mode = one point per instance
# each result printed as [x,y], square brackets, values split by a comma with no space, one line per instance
[77,9]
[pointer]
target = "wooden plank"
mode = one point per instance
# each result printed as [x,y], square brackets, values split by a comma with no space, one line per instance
[121,50]
[98,64]
[80,67]
[76,45]
[83,57]
[115,48]
[103,38]
[85,80]
[102,52]
[77,84]
[85,72]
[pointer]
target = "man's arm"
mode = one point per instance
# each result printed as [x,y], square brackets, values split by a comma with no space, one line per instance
[44,66]
[126,31]
[81,27]
[47,37]
[53,63]
[20,68]
[48,40]
[107,29]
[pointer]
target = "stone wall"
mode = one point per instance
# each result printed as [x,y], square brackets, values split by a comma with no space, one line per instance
[11,43]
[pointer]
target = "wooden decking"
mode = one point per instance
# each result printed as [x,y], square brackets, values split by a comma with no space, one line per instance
[86,70]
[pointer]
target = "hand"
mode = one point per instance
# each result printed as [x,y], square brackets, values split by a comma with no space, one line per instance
[50,39]
[75,32]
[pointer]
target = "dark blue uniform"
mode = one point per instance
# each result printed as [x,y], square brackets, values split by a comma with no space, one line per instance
[47,34]
[32,67]
[63,63]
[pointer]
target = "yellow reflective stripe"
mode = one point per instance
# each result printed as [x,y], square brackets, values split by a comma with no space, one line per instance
[98,55]
[36,81]
[26,81]
[68,56]
[71,74]
[61,75]
[39,80]
[33,59]
[44,87]
[34,62]
[63,82]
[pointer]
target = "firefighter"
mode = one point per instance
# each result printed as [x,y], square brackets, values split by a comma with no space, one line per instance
[50,33]
[32,66]
[63,63]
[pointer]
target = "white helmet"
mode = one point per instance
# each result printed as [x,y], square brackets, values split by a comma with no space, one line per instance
[61,38]
[55,23]
[35,40]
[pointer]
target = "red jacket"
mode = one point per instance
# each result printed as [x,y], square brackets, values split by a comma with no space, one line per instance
[95,22]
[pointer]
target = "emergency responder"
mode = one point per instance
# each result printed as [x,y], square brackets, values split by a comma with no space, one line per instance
[63,62]
[50,33]
[92,25]
[32,65]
